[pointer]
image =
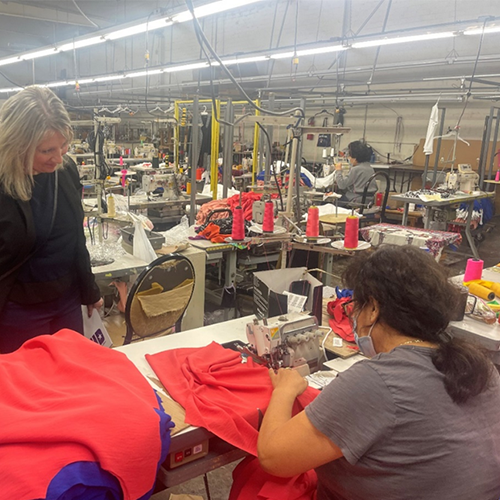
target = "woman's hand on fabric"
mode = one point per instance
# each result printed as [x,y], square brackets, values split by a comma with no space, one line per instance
[338,166]
[97,305]
[289,381]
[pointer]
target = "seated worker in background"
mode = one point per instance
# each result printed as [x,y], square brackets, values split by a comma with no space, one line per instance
[359,155]
[45,273]
[417,420]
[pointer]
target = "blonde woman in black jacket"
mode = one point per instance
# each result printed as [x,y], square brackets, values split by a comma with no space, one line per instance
[45,273]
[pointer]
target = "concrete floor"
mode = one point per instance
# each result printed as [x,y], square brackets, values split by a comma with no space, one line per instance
[220,480]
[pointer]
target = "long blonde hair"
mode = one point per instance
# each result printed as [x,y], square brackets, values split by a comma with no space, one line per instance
[25,119]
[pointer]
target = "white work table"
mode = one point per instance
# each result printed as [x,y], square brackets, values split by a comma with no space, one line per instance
[220,453]
[487,335]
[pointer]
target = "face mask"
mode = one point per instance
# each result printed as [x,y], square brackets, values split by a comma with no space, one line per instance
[365,344]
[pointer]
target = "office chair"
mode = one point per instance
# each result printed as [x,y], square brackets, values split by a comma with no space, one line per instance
[375,214]
[159,297]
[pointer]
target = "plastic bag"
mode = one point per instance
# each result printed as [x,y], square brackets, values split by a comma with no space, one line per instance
[94,329]
[142,248]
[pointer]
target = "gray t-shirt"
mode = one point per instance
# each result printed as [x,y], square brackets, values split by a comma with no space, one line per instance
[355,182]
[402,436]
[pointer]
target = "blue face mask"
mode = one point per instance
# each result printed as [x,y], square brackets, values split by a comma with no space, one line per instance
[365,344]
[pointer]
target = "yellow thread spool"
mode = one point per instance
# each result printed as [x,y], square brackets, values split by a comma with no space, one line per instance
[481,291]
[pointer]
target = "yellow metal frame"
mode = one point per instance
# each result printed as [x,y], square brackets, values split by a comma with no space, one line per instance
[214,147]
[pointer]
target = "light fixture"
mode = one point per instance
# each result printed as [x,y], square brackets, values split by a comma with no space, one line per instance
[242,60]
[211,8]
[186,67]
[205,10]
[479,31]
[10,60]
[321,50]
[107,78]
[403,39]
[139,28]
[39,53]
[12,89]
[87,42]
[150,72]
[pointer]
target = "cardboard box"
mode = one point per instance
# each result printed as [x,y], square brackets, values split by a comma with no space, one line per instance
[269,300]
[393,204]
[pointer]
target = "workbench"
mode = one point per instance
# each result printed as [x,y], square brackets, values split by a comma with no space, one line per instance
[467,199]
[487,335]
[392,234]
[220,453]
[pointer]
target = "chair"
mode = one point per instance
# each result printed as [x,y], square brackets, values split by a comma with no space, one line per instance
[159,297]
[373,214]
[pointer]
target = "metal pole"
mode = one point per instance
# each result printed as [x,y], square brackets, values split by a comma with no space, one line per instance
[484,149]
[228,149]
[298,169]
[195,135]
[426,168]
[438,149]
[295,145]
[493,148]
[268,144]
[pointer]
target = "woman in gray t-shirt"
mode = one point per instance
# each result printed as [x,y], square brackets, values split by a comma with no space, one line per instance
[419,420]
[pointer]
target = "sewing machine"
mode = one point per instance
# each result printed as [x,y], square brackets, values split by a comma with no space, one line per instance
[285,343]
[464,179]
[146,150]
[165,182]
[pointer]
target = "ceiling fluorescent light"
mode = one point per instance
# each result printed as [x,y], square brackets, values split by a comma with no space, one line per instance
[243,60]
[78,44]
[211,8]
[186,67]
[107,78]
[10,60]
[321,50]
[478,31]
[39,53]
[403,39]
[58,84]
[144,73]
[282,55]
[139,28]
[12,89]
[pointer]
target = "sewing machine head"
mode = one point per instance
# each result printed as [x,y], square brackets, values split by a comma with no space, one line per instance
[165,184]
[285,343]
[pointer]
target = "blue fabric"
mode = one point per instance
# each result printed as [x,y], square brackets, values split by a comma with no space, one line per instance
[342,293]
[87,481]
[84,481]
[486,205]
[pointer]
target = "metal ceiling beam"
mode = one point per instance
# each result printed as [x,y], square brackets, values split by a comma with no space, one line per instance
[46,14]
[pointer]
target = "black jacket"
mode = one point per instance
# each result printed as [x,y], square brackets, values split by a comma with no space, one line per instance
[17,236]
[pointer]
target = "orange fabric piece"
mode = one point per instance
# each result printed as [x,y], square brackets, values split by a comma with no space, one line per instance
[212,233]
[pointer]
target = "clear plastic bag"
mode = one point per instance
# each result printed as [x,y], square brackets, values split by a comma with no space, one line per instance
[142,248]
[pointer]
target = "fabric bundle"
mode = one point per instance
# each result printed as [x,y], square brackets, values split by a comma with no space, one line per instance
[77,421]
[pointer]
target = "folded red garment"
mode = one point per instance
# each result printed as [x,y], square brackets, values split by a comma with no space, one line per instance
[219,392]
[64,400]
[339,321]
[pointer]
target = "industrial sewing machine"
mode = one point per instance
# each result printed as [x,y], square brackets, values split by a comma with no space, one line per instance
[464,179]
[285,344]
[163,184]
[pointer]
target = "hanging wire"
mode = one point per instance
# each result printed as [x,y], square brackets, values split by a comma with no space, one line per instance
[201,35]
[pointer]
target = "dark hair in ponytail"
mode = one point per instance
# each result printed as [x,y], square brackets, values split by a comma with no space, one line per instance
[416,299]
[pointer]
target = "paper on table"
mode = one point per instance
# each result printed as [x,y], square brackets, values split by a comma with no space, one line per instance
[430,197]
[295,302]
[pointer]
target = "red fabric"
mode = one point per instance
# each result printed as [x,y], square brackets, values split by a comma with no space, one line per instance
[339,322]
[66,399]
[250,482]
[212,233]
[247,201]
[219,392]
